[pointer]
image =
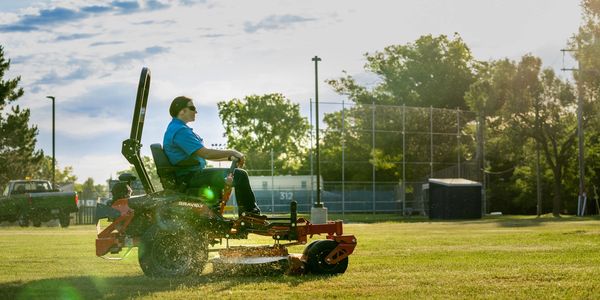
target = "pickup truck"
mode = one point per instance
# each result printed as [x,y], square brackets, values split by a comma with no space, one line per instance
[36,201]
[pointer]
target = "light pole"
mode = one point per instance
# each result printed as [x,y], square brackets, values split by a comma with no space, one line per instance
[318,213]
[53,144]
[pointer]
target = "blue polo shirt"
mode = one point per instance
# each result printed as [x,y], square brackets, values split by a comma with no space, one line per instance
[179,143]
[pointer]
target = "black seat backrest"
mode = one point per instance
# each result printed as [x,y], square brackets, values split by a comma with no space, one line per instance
[166,171]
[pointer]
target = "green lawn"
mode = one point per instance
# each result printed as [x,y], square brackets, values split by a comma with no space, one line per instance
[503,257]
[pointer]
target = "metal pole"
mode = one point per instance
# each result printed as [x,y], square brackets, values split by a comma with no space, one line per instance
[53,143]
[430,141]
[343,162]
[272,185]
[581,199]
[458,141]
[403,160]
[582,194]
[537,162]
[312,186]
[373,147]
[484,179]
[537,179]
[316,59]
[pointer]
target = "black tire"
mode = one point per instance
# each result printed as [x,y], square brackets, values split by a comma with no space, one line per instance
[172,253]
[23,220]
[36,223]
[312,244]
[316,255]
[64,219]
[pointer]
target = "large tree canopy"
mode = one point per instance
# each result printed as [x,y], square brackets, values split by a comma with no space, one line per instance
[524,103]
[257,124]
[432,71]
[18,157]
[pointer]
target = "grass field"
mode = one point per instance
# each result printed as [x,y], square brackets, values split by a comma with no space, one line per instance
[505,257]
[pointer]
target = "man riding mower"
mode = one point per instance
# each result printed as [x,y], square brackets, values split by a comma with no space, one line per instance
[176,228]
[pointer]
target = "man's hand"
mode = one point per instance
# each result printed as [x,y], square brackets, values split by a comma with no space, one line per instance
[240,157]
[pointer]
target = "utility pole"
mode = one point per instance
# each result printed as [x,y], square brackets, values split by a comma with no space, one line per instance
[582,198]
[53,145]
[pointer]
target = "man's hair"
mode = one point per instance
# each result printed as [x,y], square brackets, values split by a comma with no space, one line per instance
[178,104]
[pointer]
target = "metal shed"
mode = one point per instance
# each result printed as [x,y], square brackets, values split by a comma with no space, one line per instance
[454,198]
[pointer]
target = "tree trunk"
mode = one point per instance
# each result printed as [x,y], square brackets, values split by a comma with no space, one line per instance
[558,188]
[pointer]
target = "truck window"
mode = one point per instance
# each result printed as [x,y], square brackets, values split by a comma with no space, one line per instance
[42,186]
[19,188]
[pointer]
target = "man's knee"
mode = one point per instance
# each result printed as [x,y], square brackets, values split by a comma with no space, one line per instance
[241,173]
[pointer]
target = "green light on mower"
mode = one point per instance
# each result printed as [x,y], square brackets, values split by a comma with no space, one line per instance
[209,196]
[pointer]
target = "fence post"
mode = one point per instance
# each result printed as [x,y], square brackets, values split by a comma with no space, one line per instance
[343,163]
[430,141]
[458,141]
[403,160]
[373,150]
[272,185]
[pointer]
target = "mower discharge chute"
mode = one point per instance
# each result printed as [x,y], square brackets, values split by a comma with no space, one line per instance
[174,229]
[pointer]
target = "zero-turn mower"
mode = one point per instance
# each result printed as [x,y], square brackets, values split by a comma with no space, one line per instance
[176,228]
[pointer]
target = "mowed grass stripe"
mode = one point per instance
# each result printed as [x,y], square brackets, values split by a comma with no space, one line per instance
[500,258]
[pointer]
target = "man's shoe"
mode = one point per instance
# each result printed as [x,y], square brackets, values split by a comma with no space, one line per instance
[253,213]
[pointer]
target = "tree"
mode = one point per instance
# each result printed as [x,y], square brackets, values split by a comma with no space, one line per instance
[90,191]
[257,125]
[521,102]
[44,171]
[432,71]
[586,46]
[150,166]
[18,157]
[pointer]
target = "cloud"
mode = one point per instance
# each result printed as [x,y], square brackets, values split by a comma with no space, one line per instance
[104,100]
[155,5]
[45,17]
[152,22]
[83,71]
[212,35]
[62,15]
[192,2]
[98,166]
[125,57]
[106,43]
[89,127]
[20,59]
[96,9]
[274,22]
[126,7]
[75,36]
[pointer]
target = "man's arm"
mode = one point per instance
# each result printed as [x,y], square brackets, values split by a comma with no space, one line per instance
[216,154]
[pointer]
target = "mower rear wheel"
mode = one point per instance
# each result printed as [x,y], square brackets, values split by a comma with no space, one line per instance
[172,253]
[316,254]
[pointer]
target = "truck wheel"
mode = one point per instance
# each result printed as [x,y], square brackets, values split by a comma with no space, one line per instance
[64,219]
[37,223]
[317,253]
[23,220]
[172,253]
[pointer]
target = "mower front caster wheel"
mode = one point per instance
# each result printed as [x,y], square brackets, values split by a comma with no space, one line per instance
[316,254]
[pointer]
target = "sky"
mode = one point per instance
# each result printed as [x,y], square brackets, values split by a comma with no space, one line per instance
[89,54]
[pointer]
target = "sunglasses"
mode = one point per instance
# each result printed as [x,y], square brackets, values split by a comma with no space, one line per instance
[192,108]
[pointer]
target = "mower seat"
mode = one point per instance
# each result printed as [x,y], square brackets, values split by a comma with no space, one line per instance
[166,171]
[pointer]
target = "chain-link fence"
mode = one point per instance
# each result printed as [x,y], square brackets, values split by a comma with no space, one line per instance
[377,158]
